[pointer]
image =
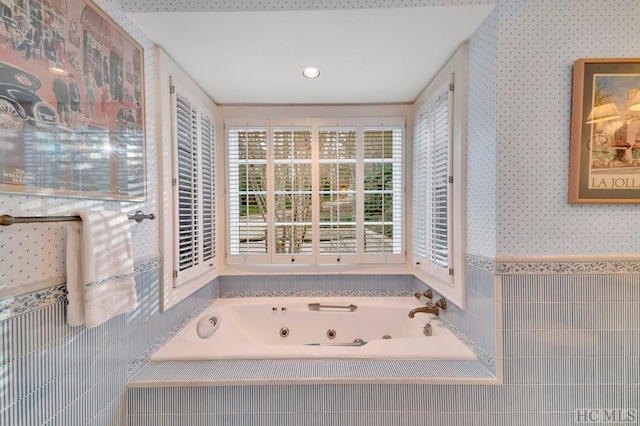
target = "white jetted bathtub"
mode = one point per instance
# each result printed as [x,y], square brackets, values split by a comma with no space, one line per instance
[313,327]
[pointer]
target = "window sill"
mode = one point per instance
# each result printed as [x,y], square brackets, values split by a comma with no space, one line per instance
[326,269]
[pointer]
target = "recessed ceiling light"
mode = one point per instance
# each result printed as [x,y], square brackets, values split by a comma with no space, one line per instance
[311,72]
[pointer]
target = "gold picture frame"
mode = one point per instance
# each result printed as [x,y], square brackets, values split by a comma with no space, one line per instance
[71,102]
[604,164]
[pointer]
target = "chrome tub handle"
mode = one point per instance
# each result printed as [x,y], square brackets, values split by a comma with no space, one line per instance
[317,307]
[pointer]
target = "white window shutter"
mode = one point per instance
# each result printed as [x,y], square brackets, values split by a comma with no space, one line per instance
[186,186]
[439,186]
[432,197]
[420,170]
[383,190]
[193,188]
[208,187]
[314,191]
[337,192]
[440,138]
[293,192]
[248,183]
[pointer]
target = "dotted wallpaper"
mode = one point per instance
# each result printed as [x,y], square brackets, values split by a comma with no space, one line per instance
[481,138]
[32,256]
[248,5]
[538,42]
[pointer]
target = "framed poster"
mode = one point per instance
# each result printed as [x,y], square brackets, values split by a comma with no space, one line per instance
[604,164]
[71,117]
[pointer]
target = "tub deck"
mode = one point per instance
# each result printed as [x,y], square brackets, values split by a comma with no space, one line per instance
[267,359]
[305,371]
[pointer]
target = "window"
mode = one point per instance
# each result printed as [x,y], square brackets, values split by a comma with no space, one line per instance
[438,191]
[432,187]
[193,184]
[315,191]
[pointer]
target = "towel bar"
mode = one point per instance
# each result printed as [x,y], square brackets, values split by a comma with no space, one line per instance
[6,220]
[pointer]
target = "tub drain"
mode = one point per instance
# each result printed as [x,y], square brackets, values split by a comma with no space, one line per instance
[331,333]
[284,332]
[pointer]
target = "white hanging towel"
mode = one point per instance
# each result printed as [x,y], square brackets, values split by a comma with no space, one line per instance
[100,276]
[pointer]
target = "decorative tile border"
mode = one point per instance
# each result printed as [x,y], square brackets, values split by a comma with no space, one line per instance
[147,265]
[485,357]
[141,360]
[567,267]
[18,305]
[554,267]
[28,302]
[482,263]
[315,293]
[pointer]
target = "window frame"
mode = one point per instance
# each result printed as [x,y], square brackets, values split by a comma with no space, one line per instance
[453,287]
[308,262]
[199,113]
[170,294]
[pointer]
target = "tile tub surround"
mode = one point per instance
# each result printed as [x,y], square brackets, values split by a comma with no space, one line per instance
[315,285]
[318,371]
[475,325]
[570,342]
[52,374]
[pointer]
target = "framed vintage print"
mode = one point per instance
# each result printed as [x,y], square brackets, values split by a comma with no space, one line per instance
[71,102]
[604,165]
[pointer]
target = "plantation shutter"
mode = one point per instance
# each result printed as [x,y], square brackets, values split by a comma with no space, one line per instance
[337,191]
[293,191]
[208,188]
[187,185]
[193,188]
[432,187]
[382,190]
[420,169]
[315,190]
[439,183]
[248,182]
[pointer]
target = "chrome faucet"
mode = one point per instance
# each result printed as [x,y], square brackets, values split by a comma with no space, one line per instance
[430,308]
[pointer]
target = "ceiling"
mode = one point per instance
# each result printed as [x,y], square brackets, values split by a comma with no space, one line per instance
[366,56]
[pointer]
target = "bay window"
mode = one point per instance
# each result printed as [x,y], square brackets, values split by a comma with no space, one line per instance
[315,191]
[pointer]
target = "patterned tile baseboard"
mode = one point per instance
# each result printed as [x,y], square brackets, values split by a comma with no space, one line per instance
[18,305]
[266,372]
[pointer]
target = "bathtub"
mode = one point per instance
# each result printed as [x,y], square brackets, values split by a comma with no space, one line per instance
[288,328]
